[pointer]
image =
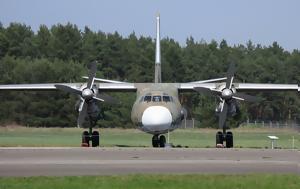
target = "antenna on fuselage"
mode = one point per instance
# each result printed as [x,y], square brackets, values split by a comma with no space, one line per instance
[157,78]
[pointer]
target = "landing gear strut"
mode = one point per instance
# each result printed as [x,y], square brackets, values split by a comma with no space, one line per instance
[226,137]
[158,141]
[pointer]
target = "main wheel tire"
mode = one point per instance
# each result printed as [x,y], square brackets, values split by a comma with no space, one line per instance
[95,139]
[155,141]
[219,138]
[162,141]
[229,140]
[85,139]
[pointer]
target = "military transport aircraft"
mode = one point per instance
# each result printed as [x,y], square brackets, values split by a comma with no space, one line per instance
[157,109]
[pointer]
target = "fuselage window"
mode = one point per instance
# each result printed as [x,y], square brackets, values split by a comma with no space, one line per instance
[156,98]
[166,99]
[147,99]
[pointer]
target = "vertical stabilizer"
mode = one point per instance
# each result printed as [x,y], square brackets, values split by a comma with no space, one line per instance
[157,78]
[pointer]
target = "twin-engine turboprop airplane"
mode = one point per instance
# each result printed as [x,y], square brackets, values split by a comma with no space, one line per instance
[157,109]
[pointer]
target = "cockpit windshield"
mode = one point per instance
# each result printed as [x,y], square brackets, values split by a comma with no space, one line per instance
[156,98]
[147,98]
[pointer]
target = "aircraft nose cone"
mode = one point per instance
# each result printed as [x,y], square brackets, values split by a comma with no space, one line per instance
[157,118]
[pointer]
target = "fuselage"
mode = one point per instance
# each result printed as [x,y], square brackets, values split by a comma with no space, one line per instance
[157,109]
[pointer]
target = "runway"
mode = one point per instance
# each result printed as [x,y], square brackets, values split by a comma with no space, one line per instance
[110,161]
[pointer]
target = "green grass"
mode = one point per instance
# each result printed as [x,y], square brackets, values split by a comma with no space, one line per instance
[264,181]
[243,137]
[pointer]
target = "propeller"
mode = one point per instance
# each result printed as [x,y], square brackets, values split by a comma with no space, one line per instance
[87,94]
[226,94]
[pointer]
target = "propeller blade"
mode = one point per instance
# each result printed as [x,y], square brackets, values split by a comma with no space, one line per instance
[99,99]
[107,98]
[82,114]
[92,74]
[68,89]
[81,104]
[206,91]
[230,75]
[223,115]
[242,96]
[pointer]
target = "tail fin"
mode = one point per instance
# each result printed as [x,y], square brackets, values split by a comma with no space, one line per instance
[157,78]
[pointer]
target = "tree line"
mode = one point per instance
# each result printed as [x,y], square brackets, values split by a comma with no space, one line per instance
[61,53]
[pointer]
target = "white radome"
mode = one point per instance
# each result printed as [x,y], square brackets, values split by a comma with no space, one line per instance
[157,118]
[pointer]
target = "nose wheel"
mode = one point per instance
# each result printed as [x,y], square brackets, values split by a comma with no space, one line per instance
[226,137]
[158,141]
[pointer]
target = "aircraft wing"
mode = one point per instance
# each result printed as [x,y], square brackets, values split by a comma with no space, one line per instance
[37,87]
[189,87]
[114,87]
[243,87]
[248,87]
[51,86]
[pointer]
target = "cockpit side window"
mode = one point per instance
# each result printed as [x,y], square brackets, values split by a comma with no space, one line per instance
[166,98]
[147,98]
[156,98]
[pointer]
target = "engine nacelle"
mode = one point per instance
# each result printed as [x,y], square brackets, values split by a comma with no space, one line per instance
[233,108]
[93,111]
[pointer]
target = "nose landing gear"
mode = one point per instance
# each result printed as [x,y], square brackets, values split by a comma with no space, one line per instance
[158,141]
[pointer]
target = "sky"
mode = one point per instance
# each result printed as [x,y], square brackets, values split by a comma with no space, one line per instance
[236,21]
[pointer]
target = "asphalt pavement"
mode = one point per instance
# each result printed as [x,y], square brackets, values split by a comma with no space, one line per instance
[56,161]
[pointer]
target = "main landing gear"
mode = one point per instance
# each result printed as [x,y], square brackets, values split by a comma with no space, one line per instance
[92,136]
[158,141]
[226,137]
